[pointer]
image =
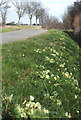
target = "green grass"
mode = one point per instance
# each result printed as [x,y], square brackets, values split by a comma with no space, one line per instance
[46,67]
[14,28]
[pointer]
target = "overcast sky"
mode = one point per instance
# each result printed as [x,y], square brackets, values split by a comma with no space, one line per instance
[55,8]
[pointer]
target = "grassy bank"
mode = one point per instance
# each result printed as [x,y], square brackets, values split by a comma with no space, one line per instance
[14,28]
[45,67]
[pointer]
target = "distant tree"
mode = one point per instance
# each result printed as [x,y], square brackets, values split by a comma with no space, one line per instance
[51,22]
[43,15]
[20,9]
[37,6]
[74,10]
[36,9]
[30,10]
[4,6]
[67,21]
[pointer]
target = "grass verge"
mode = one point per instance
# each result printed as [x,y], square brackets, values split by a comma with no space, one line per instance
[14,28]
[45,67]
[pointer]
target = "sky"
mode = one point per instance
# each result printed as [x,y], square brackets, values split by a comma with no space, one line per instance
[55,8]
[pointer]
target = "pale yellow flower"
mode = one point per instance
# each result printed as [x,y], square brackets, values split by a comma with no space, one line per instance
[53,55]
[20,110]
[9,98]
[62,65]
[27,105]
[23,115]
[57,84]
[75,96]
[43,50]
[68,115]
[47,76]
[77,111]
[46,111]
[47,71]
[51,61]
[55,78]
[31,98]
[24,102]
[49,81]
[37,105]
[39,108]
[31,111]
[59,102]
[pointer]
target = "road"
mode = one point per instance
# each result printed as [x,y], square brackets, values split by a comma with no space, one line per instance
[19,35]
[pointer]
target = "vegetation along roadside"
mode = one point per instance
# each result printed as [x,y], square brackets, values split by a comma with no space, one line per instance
[41,77]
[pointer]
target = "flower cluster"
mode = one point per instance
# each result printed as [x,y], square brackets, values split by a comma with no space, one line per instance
[68,115]
[37,50]
[20,111]
[31,109]
[8,98]
[50,70]
[50,60]
[62,65]
[44,74]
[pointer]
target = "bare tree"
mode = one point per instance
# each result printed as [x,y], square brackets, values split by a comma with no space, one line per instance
[37,6]
[51,22]
[43,15]
[72,18]
[4,5]
[67,21]
[30,10]
[20,9]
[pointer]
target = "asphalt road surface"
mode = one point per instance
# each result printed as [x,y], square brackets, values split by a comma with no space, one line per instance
[19,35]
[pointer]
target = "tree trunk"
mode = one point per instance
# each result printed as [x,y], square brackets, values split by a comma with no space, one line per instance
[3,22]
[36,21]
[19,22]
[39,21]
[30,21]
